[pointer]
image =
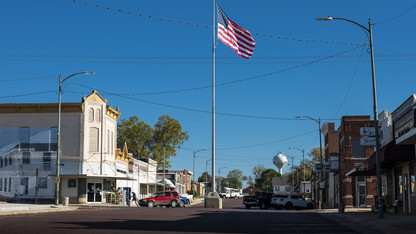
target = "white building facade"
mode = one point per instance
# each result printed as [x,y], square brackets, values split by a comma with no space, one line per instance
[88,147]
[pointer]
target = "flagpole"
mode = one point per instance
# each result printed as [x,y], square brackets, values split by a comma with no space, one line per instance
[213,98]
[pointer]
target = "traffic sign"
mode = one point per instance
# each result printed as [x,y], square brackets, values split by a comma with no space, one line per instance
[368,141]
[367,131]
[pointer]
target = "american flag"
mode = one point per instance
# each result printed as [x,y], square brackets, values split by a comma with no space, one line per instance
[234,36]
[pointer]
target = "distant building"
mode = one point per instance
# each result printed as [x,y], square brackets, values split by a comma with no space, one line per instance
[250,191]
[175,180]
[281,185]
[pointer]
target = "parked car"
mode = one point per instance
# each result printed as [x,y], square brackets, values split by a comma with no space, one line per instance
[290,201]
[184,201]
[163,198]
[260,199]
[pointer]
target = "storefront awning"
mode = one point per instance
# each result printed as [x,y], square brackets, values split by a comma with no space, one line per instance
[363,171]
[391,153]
[97,176]
[167,183]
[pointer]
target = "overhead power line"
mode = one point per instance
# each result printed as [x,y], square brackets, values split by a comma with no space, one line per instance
[235,81]
[194,110]
[208,27]
[28,94]
[188,57]
[397,16]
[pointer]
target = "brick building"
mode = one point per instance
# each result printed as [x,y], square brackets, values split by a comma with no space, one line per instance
[358,189]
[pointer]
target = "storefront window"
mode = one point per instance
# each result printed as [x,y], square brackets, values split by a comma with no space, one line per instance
[399,182]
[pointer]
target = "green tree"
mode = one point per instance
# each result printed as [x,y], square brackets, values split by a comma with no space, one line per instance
[205,177]
[265,182]
[250,180]
[257,170]
[138,136]
[146,142]
[167,137]
[309,165]
[235,179]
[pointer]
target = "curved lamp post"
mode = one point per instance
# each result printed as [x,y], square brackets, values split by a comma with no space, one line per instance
[303,156]
[378,164]
[58,152]
[318,121]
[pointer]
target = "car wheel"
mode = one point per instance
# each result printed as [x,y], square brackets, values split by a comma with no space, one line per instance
[150,204]
[309,206]
[248,207]
[181,204]
[288,206]
[174,203]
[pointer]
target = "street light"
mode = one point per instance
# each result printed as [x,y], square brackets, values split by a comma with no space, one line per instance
[219,176]
[318,121]
[303,156]
[196,151]
[378,164]
[58,152]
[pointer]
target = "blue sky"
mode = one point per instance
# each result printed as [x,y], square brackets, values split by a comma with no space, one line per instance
[133,54]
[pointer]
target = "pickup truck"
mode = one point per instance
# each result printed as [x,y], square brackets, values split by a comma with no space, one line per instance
[260,199]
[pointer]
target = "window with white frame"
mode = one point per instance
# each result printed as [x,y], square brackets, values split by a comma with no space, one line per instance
[91,115]
[97,115]
[94,139]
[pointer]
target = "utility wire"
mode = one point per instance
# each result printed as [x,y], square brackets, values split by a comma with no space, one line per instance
[208,27]
[256,145]
[234,81]
[397,16]
[28,94]
[268,143]
[194,110]
[186,58]
[350,85]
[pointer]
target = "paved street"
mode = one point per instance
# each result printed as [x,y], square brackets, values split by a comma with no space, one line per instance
[234,218]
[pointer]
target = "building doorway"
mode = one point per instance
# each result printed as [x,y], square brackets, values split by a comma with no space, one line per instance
[406,194]
[94,192]
[361,192]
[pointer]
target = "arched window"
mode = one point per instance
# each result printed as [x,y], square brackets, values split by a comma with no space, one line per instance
[91,115]
[97,115]
[94,139]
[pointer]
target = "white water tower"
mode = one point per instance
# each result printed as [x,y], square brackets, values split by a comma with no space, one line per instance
[280,161]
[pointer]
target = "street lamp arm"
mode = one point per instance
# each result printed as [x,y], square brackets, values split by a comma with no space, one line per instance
[297,149]
[87,73]
[304,116]
[352,21]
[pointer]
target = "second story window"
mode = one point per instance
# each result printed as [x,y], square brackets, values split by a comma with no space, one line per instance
[97,115]
[47,161]
[91,115]
[26,157]
[24,135]
[94,139]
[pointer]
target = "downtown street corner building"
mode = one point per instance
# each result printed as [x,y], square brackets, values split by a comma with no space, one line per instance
[91,167]
[351,177]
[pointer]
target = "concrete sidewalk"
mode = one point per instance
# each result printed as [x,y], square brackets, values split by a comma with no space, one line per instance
[392,223]
[19,208]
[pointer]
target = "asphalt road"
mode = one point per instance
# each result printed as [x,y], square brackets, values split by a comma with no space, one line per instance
[233,218]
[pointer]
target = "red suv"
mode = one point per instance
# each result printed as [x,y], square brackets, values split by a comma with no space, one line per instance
[164,198]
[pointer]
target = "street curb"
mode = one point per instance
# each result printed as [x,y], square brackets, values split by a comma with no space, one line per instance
[27,210]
